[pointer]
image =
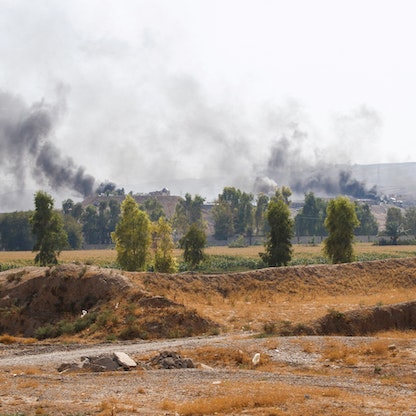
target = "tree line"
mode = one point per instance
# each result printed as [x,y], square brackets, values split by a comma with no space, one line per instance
[234,213]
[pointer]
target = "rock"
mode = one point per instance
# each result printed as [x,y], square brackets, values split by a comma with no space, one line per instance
[95,368]
[256,358]
[170,360]
[110,364]
[98,364]
[188,363]
[68,367]
[124,360]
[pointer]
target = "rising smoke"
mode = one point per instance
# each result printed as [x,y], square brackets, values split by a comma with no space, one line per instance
[205,140]
[27,149]
[311,171]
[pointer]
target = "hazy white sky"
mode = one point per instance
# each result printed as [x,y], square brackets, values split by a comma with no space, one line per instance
[159,93]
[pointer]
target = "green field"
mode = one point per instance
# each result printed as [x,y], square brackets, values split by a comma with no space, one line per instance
[218,258]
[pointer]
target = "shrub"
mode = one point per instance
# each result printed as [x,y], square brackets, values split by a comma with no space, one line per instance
[239,242]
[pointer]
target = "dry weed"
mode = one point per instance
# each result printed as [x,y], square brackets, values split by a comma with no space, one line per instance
[10,339]
[237,397]
[28,384]
[261,398]
[336,351]
[228,357]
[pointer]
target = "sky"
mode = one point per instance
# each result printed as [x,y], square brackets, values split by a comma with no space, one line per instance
[195,95]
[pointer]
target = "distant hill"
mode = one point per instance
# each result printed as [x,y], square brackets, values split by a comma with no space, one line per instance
[390,178]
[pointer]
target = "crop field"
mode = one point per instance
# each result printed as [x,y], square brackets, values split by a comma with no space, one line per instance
[219,258]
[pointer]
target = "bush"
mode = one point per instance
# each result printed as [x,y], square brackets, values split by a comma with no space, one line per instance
[65,327]
[222,263]
[47,331]
[239,242]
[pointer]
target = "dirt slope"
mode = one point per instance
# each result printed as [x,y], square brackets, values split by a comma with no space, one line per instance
[56,299]
[149,305]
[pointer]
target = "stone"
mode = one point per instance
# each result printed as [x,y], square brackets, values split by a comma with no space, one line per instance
[206,367]
[110,364]
[95,368]
[170,360]
[188,363]
[256,358]
[68,367]
[124,360]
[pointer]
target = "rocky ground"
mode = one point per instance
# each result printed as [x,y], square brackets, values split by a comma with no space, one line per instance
[349,366]
[362,375]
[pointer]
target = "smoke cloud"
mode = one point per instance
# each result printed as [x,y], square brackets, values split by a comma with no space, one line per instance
[27,150]
[295,161]
[200,147]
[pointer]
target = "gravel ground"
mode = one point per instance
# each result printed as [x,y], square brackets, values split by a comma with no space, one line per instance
[31,383]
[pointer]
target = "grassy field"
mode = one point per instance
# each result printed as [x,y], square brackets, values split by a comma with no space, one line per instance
[219,258]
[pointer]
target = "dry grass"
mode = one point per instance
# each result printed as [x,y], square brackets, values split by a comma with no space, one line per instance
[9,339]
[228,398]
[228,357]
[266,399]
[28,384]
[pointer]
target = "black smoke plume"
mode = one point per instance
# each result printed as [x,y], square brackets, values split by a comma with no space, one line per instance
[288,165]
[26,148]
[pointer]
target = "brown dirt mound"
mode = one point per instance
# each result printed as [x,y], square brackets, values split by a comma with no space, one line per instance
[367,321]
[358,277]
[143,305]
[32,297]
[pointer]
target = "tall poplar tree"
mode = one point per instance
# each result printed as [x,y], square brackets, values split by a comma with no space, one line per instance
[341,220]
[163,247]
[48,229]
[279,245]
[132,236]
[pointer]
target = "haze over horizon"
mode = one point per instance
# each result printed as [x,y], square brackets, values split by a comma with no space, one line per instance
[198,95]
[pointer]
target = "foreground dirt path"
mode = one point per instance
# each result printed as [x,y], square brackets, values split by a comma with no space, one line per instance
[296,376]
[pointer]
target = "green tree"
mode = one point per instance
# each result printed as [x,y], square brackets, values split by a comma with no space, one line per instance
[278,245]
[368,223]
[163,246]
[47,227]
[90,228]
[223,220]
[188,211]
[154,209]
[410,220]
[341,220]
[193,243]
[394,224]
[310,219]
[103,223]
[132,236]
[67,206]
[237,207]
[73,230]
[15,231]
[284,193]
[114,215]
[260,213]
[77,211]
